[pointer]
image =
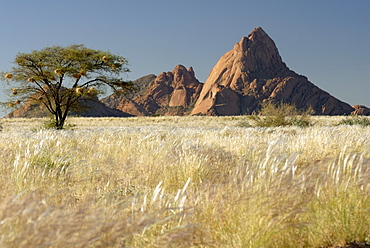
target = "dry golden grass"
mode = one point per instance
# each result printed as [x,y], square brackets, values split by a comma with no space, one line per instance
[183,182]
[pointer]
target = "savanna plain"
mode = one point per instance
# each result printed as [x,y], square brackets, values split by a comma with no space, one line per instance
[183,182]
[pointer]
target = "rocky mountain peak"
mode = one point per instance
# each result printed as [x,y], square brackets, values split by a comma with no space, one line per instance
[181,76]
[179,68]
[259,55]
[252,73]
[258,34]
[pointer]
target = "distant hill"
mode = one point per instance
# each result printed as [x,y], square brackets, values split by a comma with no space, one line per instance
[93,108]
[141,86]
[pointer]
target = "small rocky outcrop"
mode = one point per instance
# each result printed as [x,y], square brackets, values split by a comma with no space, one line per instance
[252,73]
[360,110]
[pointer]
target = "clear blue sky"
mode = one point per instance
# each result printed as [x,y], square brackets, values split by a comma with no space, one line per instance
[327,41]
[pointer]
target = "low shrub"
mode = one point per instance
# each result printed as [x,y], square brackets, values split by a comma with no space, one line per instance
[355,120]
[51,124]
[243,124]
[283,114]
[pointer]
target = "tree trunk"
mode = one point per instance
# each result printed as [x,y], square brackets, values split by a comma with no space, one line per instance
[59,118]
[61,124]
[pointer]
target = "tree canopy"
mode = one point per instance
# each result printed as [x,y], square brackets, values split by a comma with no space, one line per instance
[59,77]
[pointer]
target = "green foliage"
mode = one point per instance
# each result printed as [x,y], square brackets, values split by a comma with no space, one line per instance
[51,124]
[283,114]
[49,164]
[243,124]
[57,78]
[355,120]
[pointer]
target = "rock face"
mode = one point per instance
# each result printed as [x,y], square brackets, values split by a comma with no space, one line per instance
[170,93]
[252,73]
[129,106]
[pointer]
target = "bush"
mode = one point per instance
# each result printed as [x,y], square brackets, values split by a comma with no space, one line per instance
[243,124]
[283,114]
[51,124]
[355,120]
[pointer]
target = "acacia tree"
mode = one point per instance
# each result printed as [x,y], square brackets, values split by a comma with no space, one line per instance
[58,78]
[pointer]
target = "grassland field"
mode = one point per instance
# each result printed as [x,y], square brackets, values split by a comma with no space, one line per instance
[183,182]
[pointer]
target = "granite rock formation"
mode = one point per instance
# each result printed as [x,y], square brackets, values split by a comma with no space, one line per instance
[170,93]
[252,73]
